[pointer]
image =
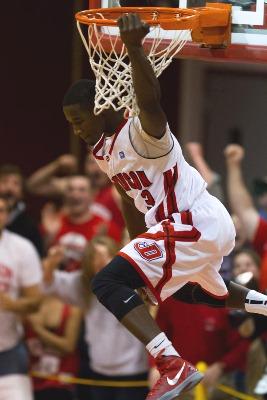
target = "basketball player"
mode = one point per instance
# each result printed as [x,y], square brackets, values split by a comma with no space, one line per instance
[186,231]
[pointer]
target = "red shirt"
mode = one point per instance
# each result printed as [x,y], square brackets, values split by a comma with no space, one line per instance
[202,333]
[74,237]
[46,360]
[260,245]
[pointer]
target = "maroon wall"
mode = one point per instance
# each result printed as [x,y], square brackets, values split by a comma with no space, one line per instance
[35,72]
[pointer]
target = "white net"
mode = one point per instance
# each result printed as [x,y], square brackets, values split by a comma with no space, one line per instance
[112,69]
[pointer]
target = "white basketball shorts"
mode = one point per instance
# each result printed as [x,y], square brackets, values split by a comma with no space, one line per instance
[190,248]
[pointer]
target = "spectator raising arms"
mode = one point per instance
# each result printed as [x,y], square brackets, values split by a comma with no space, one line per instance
[242,205]
[11,187]
[20,277]
[195,151]
[52,179]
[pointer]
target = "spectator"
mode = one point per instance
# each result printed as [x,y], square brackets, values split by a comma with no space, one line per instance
[20,277]
[246,264]
[51,336]
[195,151]
[246,261]
[47,182]
[113,352]
[79,224]
[242,205]
[11,186]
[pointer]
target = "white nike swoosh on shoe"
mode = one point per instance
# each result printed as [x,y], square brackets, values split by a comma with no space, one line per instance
[126,301]
[173,381]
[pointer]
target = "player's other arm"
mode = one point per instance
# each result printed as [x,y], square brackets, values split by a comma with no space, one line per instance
[146,85]
[134,219]
[240,200]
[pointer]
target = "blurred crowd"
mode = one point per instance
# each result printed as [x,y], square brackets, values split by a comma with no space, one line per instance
[52,327]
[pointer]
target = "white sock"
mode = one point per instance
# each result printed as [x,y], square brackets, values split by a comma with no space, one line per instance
[256,302]
[161,345]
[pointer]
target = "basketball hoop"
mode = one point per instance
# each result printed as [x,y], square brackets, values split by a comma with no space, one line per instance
[111,67]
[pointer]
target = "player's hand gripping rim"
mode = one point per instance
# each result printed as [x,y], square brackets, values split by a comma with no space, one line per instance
[132,30]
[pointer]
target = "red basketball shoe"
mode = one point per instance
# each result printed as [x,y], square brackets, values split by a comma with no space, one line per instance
[177,376]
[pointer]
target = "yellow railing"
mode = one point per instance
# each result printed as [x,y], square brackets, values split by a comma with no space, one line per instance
[89,382]
[201,392]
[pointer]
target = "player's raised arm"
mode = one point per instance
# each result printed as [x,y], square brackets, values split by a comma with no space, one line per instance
[146,85]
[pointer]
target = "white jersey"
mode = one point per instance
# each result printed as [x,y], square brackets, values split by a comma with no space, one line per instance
[160,186]
[20,267]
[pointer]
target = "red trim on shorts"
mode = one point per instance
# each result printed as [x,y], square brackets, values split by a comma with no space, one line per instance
[117,131]
[142,274]
[211,294]
[184,217]
[190,218]
[169,236]
[169,245]
[98,146]
[181,236]
[160,216]
[171,180]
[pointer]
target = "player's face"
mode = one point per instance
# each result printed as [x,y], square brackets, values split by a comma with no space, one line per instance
[11,188]
[3,214]
[243,262]
[85,123]
[78,196]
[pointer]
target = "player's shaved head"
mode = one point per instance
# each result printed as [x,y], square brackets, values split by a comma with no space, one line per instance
[81,92]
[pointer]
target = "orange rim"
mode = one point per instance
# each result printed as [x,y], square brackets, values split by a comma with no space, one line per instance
[167,18]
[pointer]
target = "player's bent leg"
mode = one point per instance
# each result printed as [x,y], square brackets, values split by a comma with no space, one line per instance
[239,297]
[115,287]
[194,294]
[243,298]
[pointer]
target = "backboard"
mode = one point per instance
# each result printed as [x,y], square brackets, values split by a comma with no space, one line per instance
[248,38]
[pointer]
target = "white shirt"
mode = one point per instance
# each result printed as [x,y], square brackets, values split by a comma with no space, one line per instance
[20,267]
[153,172]
[112,349]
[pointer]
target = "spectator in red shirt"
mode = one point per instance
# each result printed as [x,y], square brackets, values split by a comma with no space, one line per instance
[242,205]
[51,181]
[78,224]
[51,335]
